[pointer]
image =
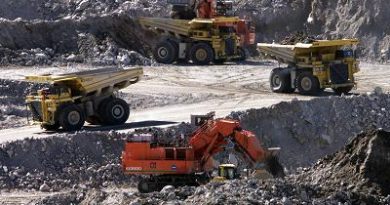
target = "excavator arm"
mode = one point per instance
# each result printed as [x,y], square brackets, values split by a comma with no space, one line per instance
[248,145]
[212,135]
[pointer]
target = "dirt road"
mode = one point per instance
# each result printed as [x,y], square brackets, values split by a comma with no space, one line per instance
[171,94]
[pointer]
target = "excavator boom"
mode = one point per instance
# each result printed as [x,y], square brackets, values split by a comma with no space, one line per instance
[213,134]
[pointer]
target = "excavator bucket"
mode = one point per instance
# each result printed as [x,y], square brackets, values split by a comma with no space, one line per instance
[272,163]
[272,169]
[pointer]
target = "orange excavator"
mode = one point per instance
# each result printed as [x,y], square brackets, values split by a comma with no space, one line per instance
[191,164]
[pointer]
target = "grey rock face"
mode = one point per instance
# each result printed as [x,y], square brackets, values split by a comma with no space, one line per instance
[309,130]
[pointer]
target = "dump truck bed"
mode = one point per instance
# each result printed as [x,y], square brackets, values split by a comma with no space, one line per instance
[166,25]
[93,81]
[182,27]
[288,53]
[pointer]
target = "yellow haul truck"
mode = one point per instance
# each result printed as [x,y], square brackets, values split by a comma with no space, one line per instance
[312,67]
[201,41]
[71,99]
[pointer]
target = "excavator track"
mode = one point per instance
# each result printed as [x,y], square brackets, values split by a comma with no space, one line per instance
[156,183]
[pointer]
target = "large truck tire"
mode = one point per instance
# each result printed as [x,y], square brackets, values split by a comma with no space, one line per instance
[71,118]
[201,54]
[342,90]
[308,84]
[165,52]
[280,81]
[115,111]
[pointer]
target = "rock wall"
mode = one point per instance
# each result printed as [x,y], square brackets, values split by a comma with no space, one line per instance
[363,19]
[362,166]
[309,130]
[366,20]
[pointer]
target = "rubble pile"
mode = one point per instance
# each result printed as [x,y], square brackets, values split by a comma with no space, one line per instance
[82,159]
[309,130]
[362,166]
[298,37]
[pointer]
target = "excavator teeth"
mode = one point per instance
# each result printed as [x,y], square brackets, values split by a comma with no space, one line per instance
[273,151]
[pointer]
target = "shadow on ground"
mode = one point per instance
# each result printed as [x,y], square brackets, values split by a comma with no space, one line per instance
[131,125]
